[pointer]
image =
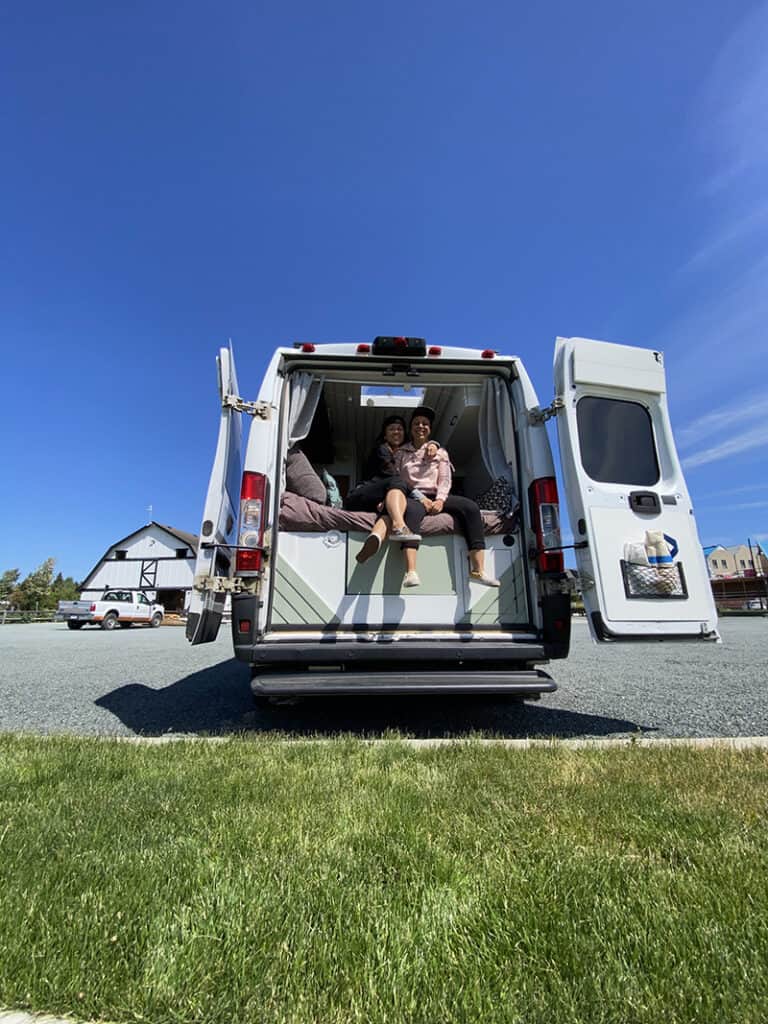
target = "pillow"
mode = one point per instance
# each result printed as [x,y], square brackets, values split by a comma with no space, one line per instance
[302,479]
[500,497]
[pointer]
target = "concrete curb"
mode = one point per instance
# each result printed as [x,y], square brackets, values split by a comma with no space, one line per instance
[572,743]
[17,1017]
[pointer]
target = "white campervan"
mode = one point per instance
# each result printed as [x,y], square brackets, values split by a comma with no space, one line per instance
[308,618]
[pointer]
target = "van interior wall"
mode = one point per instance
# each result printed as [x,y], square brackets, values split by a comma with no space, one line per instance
[351,427]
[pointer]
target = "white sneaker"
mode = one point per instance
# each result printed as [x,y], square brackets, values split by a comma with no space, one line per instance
[370,546]
[411,579]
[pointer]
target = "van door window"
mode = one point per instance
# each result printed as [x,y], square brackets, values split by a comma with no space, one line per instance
[616,441]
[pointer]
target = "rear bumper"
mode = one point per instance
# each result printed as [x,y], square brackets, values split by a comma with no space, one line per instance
[530,683]
[394,654]
[73,617]
[396,667]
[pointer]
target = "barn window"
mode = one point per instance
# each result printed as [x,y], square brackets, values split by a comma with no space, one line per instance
[121,555]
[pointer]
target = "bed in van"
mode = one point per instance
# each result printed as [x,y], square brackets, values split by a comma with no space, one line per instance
[308,618]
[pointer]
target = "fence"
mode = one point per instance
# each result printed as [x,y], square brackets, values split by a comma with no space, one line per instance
[8,617]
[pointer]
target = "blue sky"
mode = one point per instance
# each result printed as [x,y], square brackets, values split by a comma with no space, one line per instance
[491,174]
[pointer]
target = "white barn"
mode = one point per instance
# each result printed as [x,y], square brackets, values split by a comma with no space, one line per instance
[158,560]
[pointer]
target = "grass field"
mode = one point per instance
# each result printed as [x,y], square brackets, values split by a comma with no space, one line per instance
[265,881]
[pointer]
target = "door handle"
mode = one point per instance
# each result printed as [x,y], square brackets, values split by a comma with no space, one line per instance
[645,503]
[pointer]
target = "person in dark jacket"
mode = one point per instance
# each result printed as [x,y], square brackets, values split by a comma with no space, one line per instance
[384,492]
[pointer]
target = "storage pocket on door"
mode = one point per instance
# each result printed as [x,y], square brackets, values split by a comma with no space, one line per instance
[653,581]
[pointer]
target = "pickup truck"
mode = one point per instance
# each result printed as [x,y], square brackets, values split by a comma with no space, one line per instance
[122,608]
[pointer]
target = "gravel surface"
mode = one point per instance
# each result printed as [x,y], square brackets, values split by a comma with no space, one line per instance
[151,682]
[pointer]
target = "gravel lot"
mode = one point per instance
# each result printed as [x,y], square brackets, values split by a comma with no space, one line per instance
[151,682]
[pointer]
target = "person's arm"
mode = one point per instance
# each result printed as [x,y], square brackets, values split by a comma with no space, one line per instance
[444,479]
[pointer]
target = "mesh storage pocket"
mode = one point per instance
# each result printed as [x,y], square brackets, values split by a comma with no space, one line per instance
[646,581]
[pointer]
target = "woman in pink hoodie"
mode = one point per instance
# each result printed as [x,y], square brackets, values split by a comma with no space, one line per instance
[429,472]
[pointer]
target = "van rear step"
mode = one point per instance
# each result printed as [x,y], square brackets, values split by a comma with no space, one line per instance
[526,683]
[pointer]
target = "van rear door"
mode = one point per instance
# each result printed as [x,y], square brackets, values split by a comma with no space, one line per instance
[642,568]
[218,531]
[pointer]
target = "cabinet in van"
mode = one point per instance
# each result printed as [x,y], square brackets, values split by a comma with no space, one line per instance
[307,617]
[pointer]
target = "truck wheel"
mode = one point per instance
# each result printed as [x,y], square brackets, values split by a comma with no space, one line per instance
[157,618]
[109,621]
[75,625]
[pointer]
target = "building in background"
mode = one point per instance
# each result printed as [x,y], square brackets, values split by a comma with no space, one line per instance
[158,560]
[738,560]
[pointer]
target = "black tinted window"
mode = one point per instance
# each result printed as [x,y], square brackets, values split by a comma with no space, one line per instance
[616,441]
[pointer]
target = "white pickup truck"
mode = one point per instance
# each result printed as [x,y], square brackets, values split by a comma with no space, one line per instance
[122,608]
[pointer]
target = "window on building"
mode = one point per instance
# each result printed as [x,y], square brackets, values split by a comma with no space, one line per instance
[616,441]
[181,552]
[723,563]
[742,563]
[120,555]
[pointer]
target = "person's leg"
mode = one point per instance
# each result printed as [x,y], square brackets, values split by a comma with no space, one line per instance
[467,514]
[399,507]
[414,514]
[374,540]
[411,578]
[394,503]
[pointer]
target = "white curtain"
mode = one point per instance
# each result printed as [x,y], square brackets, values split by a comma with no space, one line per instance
[305,394]
[497,436]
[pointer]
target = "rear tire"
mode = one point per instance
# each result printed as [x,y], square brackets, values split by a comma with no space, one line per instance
[109,621]
[75,625]
[157,618]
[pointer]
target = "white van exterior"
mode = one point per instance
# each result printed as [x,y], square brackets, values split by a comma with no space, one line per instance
[308,618]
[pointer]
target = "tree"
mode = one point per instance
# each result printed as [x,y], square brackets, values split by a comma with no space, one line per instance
[35,590]
[8,582]
[64,588]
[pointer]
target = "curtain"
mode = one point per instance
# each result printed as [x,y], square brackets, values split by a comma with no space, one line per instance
[497,437]
[305,394]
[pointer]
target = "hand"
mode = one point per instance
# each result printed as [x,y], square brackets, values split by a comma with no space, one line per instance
[437,506]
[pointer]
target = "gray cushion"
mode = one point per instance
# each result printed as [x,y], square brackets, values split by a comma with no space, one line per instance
[301,479]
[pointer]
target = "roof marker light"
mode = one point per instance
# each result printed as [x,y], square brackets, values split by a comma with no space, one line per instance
[487,353]
[307,347]
[363,349]
[434,350]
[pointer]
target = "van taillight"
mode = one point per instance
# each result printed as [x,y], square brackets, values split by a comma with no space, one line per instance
[93,608]
[545,516]
[251,536]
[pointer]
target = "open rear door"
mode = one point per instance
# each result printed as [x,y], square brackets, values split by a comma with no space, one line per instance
[642,568]
[218,532]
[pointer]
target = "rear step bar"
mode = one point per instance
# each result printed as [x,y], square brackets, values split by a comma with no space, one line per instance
[526,683]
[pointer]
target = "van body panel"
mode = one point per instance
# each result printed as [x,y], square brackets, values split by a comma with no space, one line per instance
[218,532]
[623,481]
[317,582]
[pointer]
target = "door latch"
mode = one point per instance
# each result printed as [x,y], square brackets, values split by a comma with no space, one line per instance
[225,584]
[262,410]
[645,503]
[542,415]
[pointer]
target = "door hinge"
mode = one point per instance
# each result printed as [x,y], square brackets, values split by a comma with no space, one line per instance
[538,415]
[226,585]
[261,409]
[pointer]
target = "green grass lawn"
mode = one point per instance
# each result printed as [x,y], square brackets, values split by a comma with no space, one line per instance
[265,880]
